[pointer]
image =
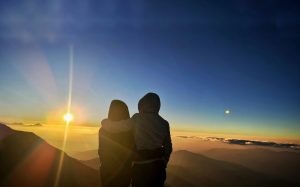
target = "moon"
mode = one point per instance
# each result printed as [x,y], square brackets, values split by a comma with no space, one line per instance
[227,112]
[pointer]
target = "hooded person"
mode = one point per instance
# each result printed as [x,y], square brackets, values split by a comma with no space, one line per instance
[115,147]
[153,144]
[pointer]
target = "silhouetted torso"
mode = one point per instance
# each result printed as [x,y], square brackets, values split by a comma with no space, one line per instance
[115,152]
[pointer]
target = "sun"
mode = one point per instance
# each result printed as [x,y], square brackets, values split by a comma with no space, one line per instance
[68,117]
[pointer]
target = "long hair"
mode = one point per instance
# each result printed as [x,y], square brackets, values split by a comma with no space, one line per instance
[118,110]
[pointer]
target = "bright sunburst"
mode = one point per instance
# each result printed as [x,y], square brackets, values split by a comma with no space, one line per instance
[68,117]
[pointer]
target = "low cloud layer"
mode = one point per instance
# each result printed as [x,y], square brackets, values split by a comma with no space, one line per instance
[26,125]
[247,142]
[262,143]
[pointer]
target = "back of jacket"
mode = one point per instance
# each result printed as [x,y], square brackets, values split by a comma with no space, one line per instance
[115,147]
[151,132]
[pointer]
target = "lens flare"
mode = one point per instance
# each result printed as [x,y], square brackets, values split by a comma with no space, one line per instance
[68,117]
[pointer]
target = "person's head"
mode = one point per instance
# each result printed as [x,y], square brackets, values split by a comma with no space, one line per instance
[118,110]
[150,103]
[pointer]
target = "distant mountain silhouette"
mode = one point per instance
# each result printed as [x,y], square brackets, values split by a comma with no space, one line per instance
[199,170]
[28,161]
[282,164]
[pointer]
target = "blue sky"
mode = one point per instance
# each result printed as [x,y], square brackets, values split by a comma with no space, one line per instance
[201,57]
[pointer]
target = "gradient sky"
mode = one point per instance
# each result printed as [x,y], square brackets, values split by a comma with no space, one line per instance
[201,57]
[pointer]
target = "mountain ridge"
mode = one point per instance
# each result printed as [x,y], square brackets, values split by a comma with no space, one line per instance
[28,160]
[280,164]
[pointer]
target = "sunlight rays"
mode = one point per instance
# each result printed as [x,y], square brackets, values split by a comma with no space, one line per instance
[68,118]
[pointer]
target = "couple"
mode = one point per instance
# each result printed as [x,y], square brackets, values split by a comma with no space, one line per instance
[134,150]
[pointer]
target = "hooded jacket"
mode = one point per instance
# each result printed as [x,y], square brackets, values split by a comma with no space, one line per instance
[151,131]
[115,142]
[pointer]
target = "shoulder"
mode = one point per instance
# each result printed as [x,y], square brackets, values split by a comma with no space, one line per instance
[131,122]
[135,116]
[115,126]
[165,122]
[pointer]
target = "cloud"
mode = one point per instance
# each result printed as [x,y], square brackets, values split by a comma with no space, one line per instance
[214,139]
[16,123]
[36,125]
[262,143]
[187,136]
[246,142]
[26,125]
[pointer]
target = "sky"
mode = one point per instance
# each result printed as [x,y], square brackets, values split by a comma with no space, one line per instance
[201,57]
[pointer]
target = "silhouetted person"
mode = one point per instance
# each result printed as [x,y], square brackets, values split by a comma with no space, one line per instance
[153,144]
[115,147]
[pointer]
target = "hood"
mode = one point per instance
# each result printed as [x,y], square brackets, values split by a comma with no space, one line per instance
[115,126]
[150,103]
